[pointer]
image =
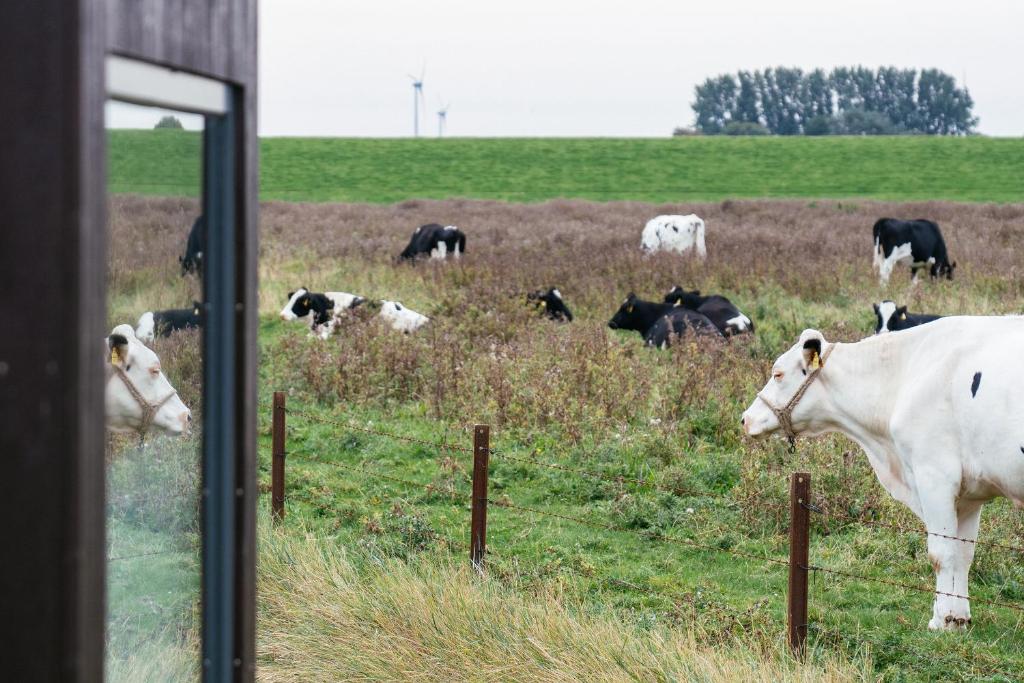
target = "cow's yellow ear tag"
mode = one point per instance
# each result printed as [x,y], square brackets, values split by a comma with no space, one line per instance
[815,362]
[903,316]
[678,303]
[543,304]
[113,356]
[305,302]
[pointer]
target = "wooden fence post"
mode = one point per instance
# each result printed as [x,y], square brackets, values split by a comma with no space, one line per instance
[277,462]
[799,542]
[478,526]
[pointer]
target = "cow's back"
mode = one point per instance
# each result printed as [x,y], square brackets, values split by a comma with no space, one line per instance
[962,385]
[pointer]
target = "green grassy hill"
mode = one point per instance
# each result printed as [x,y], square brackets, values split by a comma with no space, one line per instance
[529,170]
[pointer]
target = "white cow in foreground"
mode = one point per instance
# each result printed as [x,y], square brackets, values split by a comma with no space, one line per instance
[138,396]
[674,233]
[936,408]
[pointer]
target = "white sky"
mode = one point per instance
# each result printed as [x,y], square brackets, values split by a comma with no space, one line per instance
[592,68]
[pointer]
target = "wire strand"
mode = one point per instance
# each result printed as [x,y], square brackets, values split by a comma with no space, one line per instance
[367,430]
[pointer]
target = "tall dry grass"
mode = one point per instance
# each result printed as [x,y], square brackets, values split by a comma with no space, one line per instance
[322,619]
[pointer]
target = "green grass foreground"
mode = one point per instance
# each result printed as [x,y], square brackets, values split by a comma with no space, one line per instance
[975,169]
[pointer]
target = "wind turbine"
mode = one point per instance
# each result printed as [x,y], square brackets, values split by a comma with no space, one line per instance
[442,119]
[417,96]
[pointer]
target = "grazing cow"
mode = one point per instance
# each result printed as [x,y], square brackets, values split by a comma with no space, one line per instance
[915,243]
[436,240]
[192,261]
[551,304]
[937,411]
[892,318]
[138,397]
[674,233]
[726,317]
[657,322]
[153,324]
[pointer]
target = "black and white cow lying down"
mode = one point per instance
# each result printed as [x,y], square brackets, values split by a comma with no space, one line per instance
[153,324]
[892,318]
[323,310]
[722,312]
[658,322]
[435,240]
[551,304]
[917,244]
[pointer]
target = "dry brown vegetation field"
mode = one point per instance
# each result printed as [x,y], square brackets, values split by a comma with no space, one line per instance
[582,394]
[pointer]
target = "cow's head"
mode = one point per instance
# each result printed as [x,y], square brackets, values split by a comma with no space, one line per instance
[550,302]
[680,297]
[886,315]
[790,373]
[302,302]
[136,385]
[946,270]
[627,317]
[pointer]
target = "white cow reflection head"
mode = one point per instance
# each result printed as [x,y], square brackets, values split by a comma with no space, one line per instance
[138,396]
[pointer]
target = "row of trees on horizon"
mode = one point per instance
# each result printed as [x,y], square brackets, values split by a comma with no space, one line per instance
[846,101]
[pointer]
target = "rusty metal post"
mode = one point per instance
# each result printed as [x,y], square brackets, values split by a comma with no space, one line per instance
[478,526]
[799,543]
[277,463]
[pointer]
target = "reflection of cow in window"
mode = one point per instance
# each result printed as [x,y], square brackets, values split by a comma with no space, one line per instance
[192,261]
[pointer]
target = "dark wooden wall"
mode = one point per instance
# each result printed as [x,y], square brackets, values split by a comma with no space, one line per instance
[53,259]
[52,294]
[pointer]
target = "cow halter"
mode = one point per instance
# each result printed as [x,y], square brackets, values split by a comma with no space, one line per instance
[785,413]
[149,410]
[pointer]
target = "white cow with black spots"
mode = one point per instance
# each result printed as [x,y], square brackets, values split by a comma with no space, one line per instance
[936,408]
[674,233]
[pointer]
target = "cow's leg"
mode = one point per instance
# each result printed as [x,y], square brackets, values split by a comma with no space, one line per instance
[885,270]
[913,275]
[938,511]
[968,518]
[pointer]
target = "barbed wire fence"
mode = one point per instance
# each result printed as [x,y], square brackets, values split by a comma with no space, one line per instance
[798,564]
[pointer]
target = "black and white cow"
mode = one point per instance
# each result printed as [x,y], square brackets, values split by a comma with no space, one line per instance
[321,308]
[722,312]
[658,322]
[436,240]
[153,324]
[325,309]
[551,304]
[892,318]
[917,244]
[192,261]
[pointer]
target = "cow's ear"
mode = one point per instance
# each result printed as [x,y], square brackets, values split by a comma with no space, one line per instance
[290,295]
[875,306]
[812,342]
[118,349]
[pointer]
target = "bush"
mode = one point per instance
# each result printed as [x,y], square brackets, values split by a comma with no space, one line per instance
[684,131]
[864,122]
[819,125]
[169,122]
[744,128]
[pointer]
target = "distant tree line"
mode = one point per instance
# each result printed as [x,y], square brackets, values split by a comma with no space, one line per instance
[847,101]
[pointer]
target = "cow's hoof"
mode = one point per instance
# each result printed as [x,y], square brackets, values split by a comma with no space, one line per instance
[949,623]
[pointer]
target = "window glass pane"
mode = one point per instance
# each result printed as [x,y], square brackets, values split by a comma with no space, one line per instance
[154,393]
